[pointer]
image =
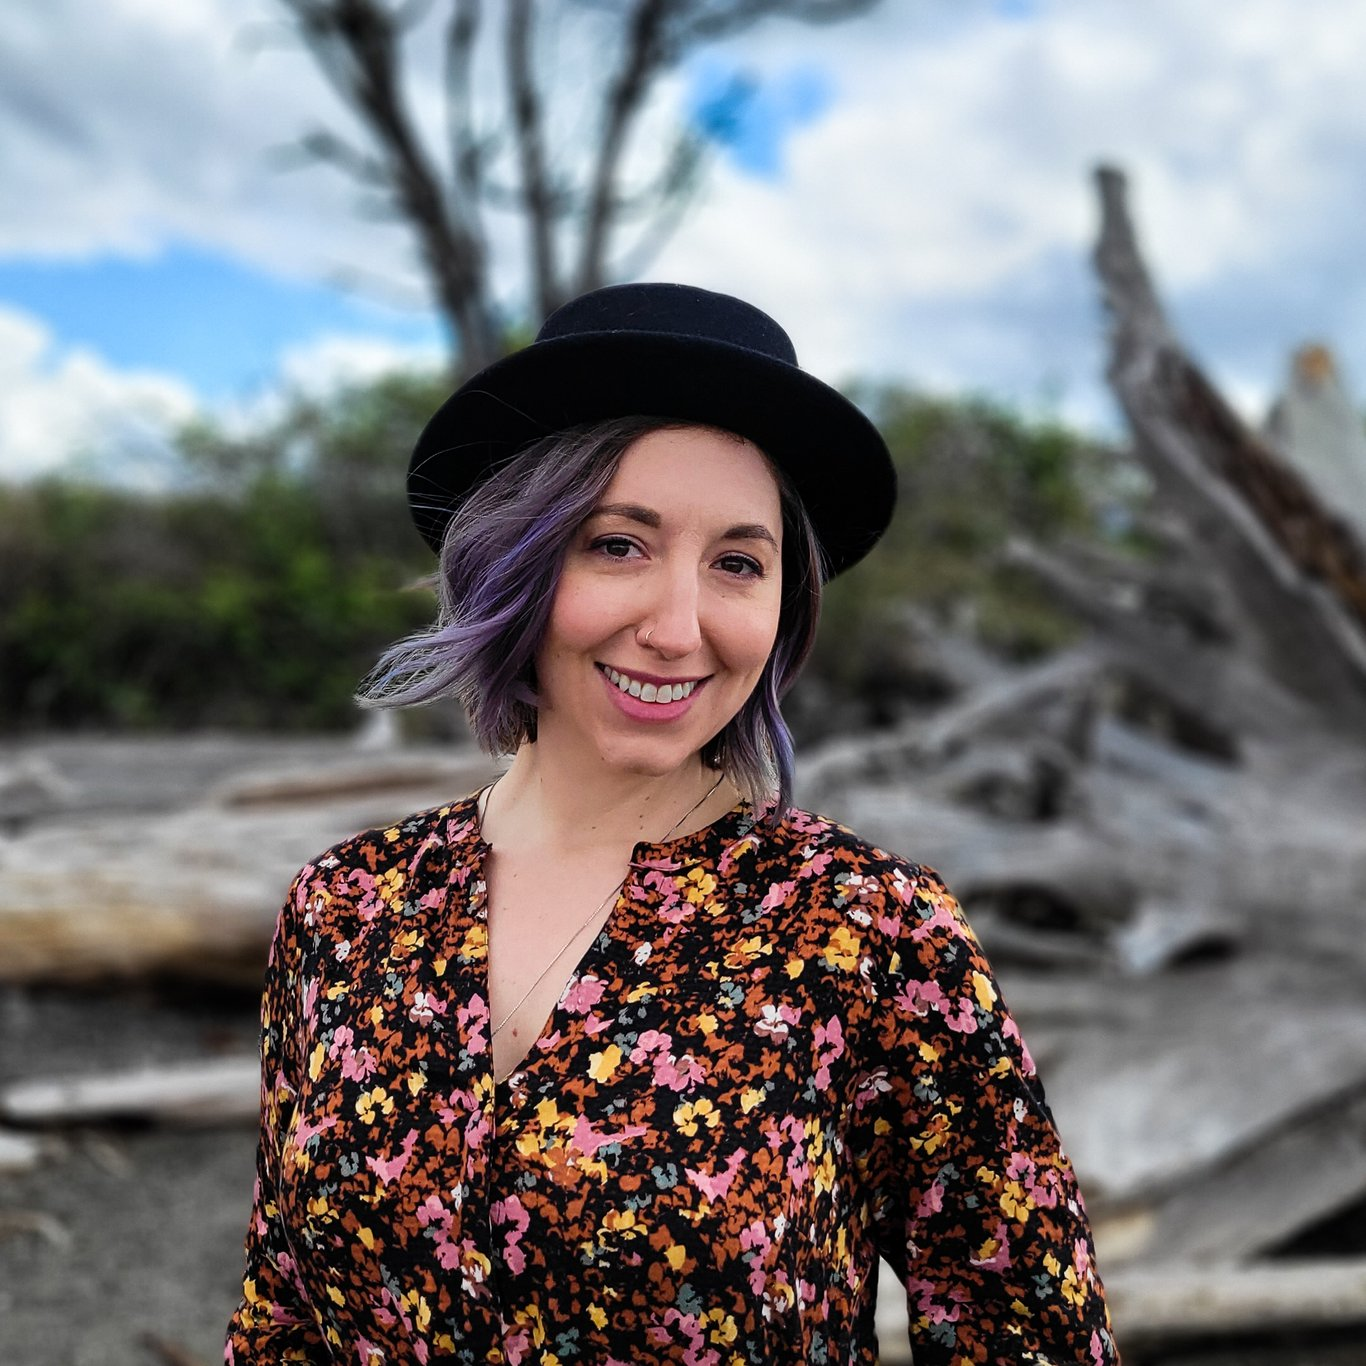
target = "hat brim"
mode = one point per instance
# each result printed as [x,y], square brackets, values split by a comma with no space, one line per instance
[834,456]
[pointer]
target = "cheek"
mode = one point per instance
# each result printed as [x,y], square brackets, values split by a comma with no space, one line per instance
[749,636]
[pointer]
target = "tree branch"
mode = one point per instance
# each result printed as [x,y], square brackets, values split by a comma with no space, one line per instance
[644,55]
[536,198]
[1295,571]
[357,40]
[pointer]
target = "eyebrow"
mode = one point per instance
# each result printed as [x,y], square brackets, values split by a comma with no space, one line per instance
[637,512]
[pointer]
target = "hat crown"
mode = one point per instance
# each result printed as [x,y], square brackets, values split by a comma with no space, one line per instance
[671,310]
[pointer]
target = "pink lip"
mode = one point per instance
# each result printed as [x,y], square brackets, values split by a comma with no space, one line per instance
[655,712]
[657,679]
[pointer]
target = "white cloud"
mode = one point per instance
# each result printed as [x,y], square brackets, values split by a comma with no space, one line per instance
[66,408]
[935,223]
[950,181]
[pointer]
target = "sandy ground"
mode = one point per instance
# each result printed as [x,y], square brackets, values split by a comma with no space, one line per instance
[127,1236]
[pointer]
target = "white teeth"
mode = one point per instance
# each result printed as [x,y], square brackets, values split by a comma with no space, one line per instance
[649,692]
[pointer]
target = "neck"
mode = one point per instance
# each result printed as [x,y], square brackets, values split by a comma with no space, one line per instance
[547,805]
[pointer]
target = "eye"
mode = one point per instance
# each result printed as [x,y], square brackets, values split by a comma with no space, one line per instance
[742,566]
[615,547]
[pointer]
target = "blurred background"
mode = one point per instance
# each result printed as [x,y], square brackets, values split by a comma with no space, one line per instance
[1094,268]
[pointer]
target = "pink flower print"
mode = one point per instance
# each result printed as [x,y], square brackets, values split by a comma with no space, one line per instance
[903,887]
[777,895]
[931,1202]
[816,865]
[651,1041]
[941,918]
[919,998]
[472,1019]
[873,1085]
[342,1039]
[994,1254]
[588,1140]
[425,1007]
[715,1187]
[677,1074]
[358,1063]
[1011,1030]
[305,1133]
[583,995]
[776,1020]
[390,1169]
[512,1211]
[963,1018]
[833,1035]
[829,1047]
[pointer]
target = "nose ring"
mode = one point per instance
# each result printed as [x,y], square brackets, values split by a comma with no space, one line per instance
[648,634]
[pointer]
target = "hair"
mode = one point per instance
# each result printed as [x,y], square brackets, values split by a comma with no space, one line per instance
[499,566]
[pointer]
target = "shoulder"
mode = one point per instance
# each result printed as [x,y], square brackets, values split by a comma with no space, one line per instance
[815,847]
[841,880]
[383,865]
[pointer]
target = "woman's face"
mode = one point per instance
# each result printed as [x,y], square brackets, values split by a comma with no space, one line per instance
[670,590]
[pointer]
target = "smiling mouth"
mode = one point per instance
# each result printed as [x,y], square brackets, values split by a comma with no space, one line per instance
[661,693]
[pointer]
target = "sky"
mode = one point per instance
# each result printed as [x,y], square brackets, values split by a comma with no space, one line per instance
[909,193]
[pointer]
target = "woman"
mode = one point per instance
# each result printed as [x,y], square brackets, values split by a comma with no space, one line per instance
[624,1059]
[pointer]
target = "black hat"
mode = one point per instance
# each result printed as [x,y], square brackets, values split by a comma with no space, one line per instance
[673,352]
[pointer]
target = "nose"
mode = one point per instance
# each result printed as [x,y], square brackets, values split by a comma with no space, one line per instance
[672,627]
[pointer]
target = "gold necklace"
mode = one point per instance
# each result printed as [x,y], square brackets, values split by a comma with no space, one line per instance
[597,910]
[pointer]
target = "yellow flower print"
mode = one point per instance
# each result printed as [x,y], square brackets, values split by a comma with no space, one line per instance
[602,1065]
[983,990]
[692,1113]
[742,954]
[376,1101]
[842,950]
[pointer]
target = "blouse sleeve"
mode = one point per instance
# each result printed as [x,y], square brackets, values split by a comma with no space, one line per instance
[972,1199]
[274,1321]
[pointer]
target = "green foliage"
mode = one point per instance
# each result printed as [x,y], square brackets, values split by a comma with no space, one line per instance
[259,590]
[255,595]
[972,475]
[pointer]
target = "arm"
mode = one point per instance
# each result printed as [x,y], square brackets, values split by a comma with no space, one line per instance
[274,1322]
[973,1201]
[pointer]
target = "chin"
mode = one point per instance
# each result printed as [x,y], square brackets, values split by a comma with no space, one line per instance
[653,761]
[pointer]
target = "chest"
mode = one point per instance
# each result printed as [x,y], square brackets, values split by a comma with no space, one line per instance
[542,918]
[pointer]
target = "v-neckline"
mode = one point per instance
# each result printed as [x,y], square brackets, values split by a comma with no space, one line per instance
[646,856]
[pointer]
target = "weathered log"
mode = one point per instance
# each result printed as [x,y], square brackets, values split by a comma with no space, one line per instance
[192,893]
[216,1091]
[1308,1169]
[1153,1110]
[1295,571]
[1194,1301]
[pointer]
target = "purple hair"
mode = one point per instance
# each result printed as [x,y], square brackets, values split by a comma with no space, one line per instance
[500,564]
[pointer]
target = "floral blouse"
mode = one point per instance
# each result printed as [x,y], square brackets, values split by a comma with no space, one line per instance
[783,1057]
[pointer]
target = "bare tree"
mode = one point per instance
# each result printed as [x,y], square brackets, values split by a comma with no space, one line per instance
[577,201]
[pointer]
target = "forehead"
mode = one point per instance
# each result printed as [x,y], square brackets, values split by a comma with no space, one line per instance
[698,469]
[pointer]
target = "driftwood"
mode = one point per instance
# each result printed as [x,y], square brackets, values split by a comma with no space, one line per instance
[1294,570]
[1197,1301]
[194,893]
[225,1090]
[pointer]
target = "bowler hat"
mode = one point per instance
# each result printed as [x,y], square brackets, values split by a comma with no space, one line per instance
[680,354]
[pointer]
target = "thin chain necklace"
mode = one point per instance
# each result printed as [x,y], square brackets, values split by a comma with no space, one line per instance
[598,909]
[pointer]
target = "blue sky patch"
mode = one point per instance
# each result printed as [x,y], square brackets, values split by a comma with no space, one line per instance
[752,117]
[215,323]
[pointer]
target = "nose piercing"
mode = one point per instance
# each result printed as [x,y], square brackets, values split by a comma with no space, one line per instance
[648,634]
